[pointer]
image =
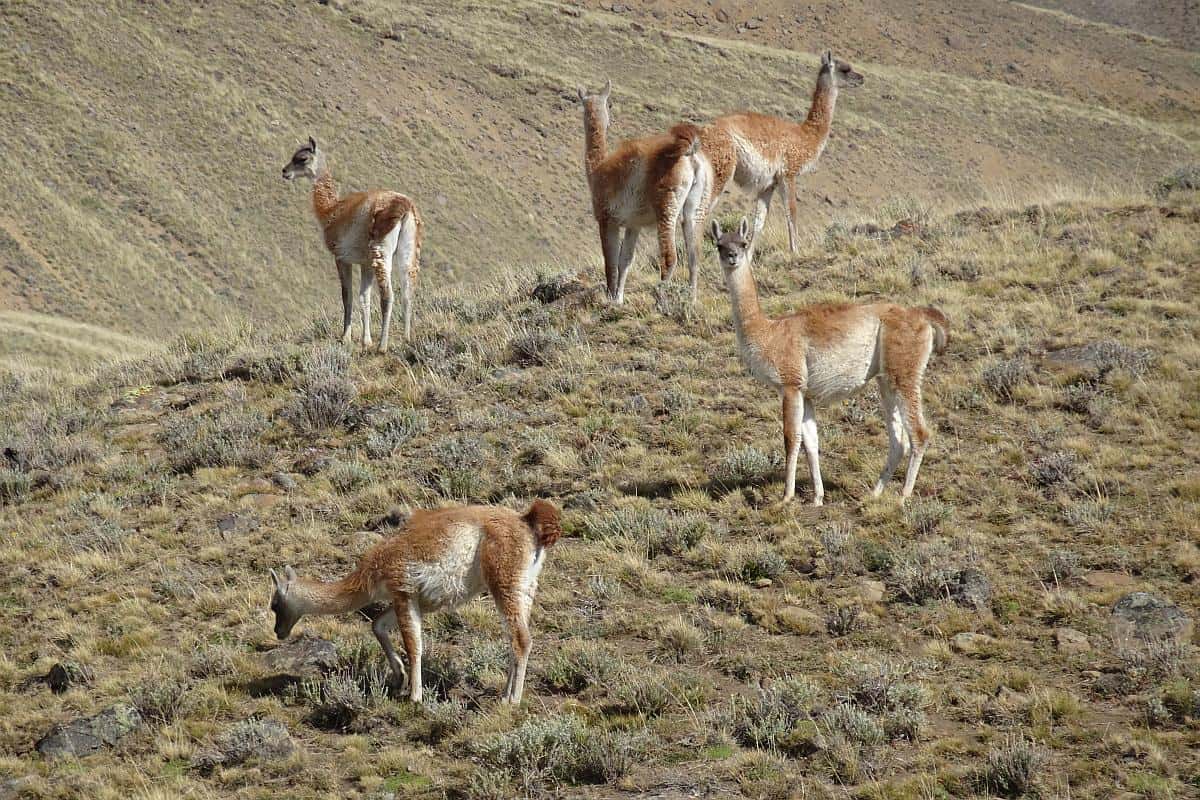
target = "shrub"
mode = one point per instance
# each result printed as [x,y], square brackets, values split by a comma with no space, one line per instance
[852,724]
[556,748]
[1086,516]
[460,463]
[646,696]
[1182,179]
[1060,565]
[324,393]
[579,665]
[349,476]
[223,438]
[50,439]
[926,514]
[674,300]
[1053,469]
[765,719]
[761,562]
[201,357]
[844,620]
[744,466]
[159,699]
[679,639]
[14,485]
[1012,768]
[392,428]
[657,532]
[536,345]
[925,571]
[1003,378]
[337,700]
[841,552]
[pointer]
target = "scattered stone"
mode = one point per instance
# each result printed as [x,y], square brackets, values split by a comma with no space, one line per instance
[1099,579]
[88,735]
[1146,618]
[1070,640]
[263,739]
[65,674]
[871,591]
[753,24]
[293,661]
[236,523]
[763,583]
[971,643]
[12,788]
[971,588]
[722,15]
[285,481]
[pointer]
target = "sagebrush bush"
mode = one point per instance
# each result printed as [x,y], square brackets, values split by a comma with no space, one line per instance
[159,698]
[744,466]
[392,428]
[559,748]
[674,300]
[1087,515]
[927,514]
[844,620]
[1013,767]
[536,345]
[459,470]
[760,562]
[349,476]
[1003,378]
[841,551]
[925,571]
[680,639]
[228,437]
[14,485]
[580,665]
[337,700]
[766,718]
[50,439]
[652,530]
[324,393]
[1053,469]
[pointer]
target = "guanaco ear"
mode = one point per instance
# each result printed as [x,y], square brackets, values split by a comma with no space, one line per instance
[290,573]
[312,143]
[715,231]
[275,579]
[744,229]
[607,88]
[827,58]
[582,92]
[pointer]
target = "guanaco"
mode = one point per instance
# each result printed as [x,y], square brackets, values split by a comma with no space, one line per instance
[652,180]
[762,153]
[442,559]
[822,353]
[374,229]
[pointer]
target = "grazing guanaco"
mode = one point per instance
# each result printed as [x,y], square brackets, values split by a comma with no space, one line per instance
[652,180]
[762,153]
[826,352]
[374,229]
[442,559]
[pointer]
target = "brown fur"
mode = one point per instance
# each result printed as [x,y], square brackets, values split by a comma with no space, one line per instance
[793,147]
[826,351]
[509,544]
[664,168]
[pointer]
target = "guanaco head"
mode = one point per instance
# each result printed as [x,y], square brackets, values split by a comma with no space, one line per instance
[733,248]
[595,107]
[282,602]
[303,163]
[838,73]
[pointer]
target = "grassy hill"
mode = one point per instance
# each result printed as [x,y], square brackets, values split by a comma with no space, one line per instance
[146,142]
[691,636]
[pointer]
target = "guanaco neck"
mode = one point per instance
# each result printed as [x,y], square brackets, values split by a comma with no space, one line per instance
[820,113]
[324,193]
[332,597]
[748,318]
[595,139]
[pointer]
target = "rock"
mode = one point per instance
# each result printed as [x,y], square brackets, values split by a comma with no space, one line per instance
[88,735]
[763,583]
[1070,640]
[556,287]
[64,675]
[753,24]
[870,591]
[722,15]
[285,481]
[263,739]
[1099,579]
[11,789]
[799,621]
[971,588]
[236,523]
[971,643]
[293,661]
[1143,617]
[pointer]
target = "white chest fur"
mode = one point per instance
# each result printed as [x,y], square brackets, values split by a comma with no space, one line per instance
[455,577]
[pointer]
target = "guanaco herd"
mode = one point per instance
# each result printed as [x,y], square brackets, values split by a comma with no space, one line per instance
[819,354]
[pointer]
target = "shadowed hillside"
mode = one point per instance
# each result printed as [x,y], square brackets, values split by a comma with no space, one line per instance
[148,139]
[691,637]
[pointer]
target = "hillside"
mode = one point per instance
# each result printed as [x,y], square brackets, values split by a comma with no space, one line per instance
[691,637]
[147,140]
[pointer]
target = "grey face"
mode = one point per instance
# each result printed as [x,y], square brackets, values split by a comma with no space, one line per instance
[303,163]
[732,247]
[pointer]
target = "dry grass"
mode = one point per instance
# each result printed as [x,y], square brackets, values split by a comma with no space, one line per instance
[689,632]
